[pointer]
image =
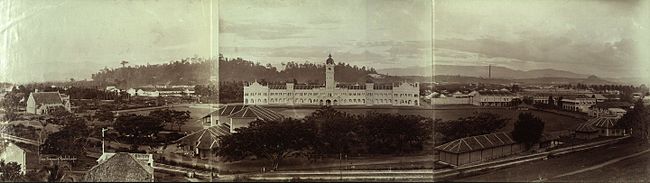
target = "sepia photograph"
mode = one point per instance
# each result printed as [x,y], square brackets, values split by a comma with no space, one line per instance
[324,91]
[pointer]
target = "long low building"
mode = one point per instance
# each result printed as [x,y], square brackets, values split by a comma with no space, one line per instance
[333,93]
[478,148]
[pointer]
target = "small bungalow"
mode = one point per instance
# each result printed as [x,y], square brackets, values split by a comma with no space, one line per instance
[478,148]
[203,143]
[586,130]
[607,126]
[251,113]
[220,116]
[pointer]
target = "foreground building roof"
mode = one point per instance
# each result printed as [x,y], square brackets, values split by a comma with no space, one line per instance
[479,142]
[120,167]
[205,139]
[586,127]
[604,122]
[254,111]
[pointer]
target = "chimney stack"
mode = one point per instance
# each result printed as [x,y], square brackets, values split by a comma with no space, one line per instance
[489,71]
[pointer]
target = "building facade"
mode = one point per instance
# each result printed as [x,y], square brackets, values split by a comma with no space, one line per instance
[333,93]
[493,98]
[42,102]
[481,148]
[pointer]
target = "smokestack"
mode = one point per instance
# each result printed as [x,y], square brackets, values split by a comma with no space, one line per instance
[489,71]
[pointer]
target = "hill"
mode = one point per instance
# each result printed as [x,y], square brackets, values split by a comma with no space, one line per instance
[196,71]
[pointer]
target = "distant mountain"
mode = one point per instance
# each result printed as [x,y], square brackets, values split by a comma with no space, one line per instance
[636,81]
[407,71]
[480,71]
[591,80]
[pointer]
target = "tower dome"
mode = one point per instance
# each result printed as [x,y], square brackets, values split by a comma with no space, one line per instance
[330,60]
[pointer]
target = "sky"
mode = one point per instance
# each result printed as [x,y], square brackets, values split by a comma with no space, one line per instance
[44,40]
[375,33]
[603,38]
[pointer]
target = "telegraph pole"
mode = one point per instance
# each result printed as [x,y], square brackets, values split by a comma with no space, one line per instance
[103,144]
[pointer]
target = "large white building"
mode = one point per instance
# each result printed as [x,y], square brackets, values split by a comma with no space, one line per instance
[332,93]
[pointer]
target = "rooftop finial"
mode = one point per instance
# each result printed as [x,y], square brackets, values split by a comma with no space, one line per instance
[330,55]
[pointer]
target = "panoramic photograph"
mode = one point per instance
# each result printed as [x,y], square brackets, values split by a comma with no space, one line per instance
[324,91]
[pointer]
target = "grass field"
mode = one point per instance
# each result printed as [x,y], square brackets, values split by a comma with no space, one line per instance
[554,122]
[195,114]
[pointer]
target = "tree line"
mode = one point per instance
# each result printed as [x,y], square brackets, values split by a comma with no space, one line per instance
[197,71]
[327,132]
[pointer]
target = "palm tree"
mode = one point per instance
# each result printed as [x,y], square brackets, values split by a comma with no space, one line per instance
[124,62]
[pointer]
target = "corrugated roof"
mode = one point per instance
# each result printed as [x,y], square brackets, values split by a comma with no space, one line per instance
[205,139]
[47,98]
[254,111]
[229,109]
[604,122]
[479,142]
[586,127]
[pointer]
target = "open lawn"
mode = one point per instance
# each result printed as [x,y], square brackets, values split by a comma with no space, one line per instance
[195,114]
[554,122]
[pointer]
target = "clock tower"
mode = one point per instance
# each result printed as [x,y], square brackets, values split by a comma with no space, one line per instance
[329,73]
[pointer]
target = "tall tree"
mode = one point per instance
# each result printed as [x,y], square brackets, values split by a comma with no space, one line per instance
[528,129]
[385,133]
[137,129]
[636,120]
[71,140]
[172,117]
[336,132]
[10,172]
[271,140]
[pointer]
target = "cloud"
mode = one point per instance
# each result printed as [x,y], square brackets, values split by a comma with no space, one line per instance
[262,31]
[547,49]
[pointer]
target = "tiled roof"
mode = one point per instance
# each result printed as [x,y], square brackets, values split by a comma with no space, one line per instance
[229,109]
[121,167]
[205,139]
[479,142]
[254,111]
[47,98]
[586,127]
[603,122]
